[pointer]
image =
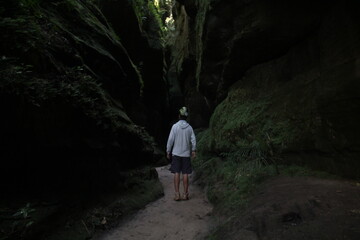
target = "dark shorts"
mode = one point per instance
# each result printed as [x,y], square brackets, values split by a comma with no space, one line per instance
[181,165]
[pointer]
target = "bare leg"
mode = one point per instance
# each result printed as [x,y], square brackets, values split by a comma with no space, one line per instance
[177,182]
[186,182]
[176,185]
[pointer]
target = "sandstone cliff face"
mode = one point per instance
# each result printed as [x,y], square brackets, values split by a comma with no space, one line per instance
[70,94]
[145,45]
[284,77]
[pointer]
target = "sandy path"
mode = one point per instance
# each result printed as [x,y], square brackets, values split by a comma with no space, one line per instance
[166,218]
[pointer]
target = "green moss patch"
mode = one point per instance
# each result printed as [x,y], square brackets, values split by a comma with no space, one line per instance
[232,179]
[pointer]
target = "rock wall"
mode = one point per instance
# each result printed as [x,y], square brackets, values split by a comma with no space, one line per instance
[182,72]
[283,78]
[144,44]
[70,97]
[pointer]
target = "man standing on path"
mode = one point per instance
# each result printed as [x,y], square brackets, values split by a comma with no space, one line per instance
[181,145]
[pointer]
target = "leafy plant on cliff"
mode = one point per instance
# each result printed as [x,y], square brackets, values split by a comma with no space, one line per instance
[235,124]
[20,34]
[29,3]
[150,18]
[157,14]
[76,87]
[230,183]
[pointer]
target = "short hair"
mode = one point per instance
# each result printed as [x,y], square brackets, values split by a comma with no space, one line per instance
[183,112]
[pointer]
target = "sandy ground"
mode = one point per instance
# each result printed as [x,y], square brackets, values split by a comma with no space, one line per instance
[299,208]
[166,218]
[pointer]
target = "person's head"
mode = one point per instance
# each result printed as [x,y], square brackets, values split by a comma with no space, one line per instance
[183,113]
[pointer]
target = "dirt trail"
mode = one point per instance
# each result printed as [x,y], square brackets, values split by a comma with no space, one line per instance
[166,218]
[299,208]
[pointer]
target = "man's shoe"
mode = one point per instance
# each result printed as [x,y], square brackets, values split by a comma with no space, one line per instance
[177,197]
[186,196]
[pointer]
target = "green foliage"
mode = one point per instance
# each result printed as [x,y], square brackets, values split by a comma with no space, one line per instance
[21,221]
[152,20]
[24,212]
[240,123]
[148,14]
[246,153]
[29,3]
[231,176]
[20,34]
[157,15]
[76,88]
[230,183]
[235,125]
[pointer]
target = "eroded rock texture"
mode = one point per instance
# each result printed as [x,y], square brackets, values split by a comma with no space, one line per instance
[284,77]
[145,48]
[72,92]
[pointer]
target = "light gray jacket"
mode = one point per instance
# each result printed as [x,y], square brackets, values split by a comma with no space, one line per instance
[181,140]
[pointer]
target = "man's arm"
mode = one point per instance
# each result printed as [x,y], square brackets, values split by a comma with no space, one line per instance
[170,142]
[193,144]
